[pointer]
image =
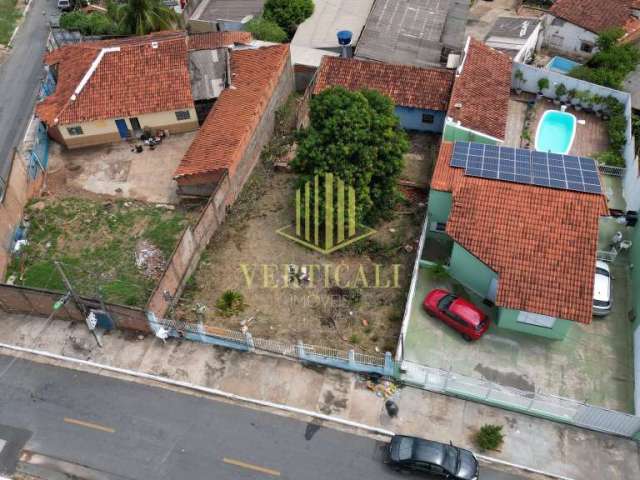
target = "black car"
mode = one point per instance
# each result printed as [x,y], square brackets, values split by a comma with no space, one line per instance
[435,458]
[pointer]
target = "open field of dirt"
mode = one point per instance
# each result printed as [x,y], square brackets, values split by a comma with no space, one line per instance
[353,297]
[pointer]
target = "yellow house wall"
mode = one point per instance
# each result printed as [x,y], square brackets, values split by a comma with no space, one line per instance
[105,131]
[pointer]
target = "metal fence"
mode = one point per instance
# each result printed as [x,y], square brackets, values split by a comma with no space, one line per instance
[327,356]
[534,403]
[611,170]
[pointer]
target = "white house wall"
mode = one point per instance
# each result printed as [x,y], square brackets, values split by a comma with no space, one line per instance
[572,37]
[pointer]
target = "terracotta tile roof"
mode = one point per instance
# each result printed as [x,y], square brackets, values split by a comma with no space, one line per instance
[542,242]
[212,40]
[480,97]
[226,132]
[408,86]
[594,15]
[134,80]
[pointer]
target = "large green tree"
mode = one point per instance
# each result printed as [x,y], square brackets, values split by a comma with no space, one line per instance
[356,136]
[267,30]
[288,13]
[139,17]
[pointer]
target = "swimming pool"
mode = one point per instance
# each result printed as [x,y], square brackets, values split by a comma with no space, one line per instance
[556,131]
[561,65]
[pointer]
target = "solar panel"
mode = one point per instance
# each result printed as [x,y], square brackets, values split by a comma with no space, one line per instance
[565,172]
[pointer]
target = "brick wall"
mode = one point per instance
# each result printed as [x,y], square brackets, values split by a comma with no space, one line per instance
[33,301]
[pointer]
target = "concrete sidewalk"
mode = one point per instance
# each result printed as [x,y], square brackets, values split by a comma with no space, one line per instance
[536,443]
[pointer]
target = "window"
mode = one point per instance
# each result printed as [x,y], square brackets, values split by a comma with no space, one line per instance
[536,319]
[438,227]
[557,22]
[556,41]
[586,47]
[183,115]
[75,130]
[427,118]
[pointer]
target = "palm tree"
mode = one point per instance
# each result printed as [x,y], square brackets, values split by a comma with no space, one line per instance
[139,17]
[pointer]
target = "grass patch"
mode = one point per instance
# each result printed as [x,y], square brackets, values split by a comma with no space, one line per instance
[9,15]
[95,241]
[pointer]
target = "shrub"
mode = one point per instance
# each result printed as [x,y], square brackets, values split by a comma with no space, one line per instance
[267,30]
[561,91]
[490,437]
[230,303]
[611,157]
[95,23]
[354,339]
[438,271]
[543,84]
[288,13]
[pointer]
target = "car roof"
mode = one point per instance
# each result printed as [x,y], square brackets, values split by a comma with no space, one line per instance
[428,451]
[466,310]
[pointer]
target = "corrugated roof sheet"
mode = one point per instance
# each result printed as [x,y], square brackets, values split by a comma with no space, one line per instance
[329,17]
[413,32]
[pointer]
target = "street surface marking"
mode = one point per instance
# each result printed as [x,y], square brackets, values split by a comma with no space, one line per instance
[248,466]
[95,426]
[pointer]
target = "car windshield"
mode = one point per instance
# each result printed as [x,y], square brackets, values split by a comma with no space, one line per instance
[601,271]
[451,459]
[445,301]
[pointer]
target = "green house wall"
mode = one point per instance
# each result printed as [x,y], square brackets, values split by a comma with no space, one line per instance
[453,133]
[470,271]
[439,206]
[635,275]
[508,319]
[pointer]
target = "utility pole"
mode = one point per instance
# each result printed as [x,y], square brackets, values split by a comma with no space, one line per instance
[76,299]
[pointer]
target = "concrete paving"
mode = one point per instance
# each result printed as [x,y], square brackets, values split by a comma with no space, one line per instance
[115,429]
[594,363]
[557,448]
[483,14]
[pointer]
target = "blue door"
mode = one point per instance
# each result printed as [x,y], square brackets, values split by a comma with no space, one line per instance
[123,130]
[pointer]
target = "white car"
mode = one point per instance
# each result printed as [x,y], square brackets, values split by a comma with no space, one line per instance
[602,290]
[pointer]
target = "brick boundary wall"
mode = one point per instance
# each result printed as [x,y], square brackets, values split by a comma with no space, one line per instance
[186,256]
[39,302]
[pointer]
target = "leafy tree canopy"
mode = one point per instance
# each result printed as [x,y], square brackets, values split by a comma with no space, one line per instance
[611,64]
[355,136]
[288,13]
[267,30]
[139,17]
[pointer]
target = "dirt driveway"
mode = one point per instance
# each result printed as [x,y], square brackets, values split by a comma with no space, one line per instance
[347,302]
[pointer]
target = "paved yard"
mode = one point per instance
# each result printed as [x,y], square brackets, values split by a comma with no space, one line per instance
[593,364]
[118,171]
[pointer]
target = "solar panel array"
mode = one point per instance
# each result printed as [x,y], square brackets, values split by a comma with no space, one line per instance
[519,165]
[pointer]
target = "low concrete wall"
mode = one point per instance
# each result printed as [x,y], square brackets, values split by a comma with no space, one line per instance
[38,302]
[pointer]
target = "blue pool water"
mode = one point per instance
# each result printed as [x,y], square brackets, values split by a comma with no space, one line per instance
[555,132]
[561,65]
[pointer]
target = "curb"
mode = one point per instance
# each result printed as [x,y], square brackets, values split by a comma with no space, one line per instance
[253,401]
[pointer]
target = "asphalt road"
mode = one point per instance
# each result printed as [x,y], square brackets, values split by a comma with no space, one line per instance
[20,77]
[131,431]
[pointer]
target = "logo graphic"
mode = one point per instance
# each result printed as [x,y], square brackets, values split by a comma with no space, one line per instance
[338,228]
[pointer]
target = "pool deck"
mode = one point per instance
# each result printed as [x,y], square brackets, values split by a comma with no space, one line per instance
[590,139]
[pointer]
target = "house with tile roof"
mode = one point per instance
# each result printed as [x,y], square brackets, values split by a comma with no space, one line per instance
[572,26]
[421,95]
[479,103]
[529,250]
[241,122]
[110,90]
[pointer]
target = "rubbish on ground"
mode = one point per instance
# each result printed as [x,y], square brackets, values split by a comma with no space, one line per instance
[385,389]
[149,259]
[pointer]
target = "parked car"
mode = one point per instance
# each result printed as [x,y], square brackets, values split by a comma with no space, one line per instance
[602,289]
[458,313]
[65,5]
[431,458]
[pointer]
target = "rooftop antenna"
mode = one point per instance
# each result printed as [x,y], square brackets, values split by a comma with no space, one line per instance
[344,39]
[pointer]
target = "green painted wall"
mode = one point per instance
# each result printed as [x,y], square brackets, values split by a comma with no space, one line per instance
[453,133]
[439,206]
[635,275]
[470,271]
[508,319]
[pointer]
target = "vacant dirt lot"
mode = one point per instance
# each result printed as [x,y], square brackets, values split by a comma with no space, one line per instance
[113,247]
[343,303]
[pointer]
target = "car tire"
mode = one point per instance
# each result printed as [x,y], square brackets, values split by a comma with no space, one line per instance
[466,337]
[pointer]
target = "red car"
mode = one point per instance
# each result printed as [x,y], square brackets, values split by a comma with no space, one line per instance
[458,313]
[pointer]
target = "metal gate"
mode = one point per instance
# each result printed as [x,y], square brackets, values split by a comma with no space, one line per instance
[608,421]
